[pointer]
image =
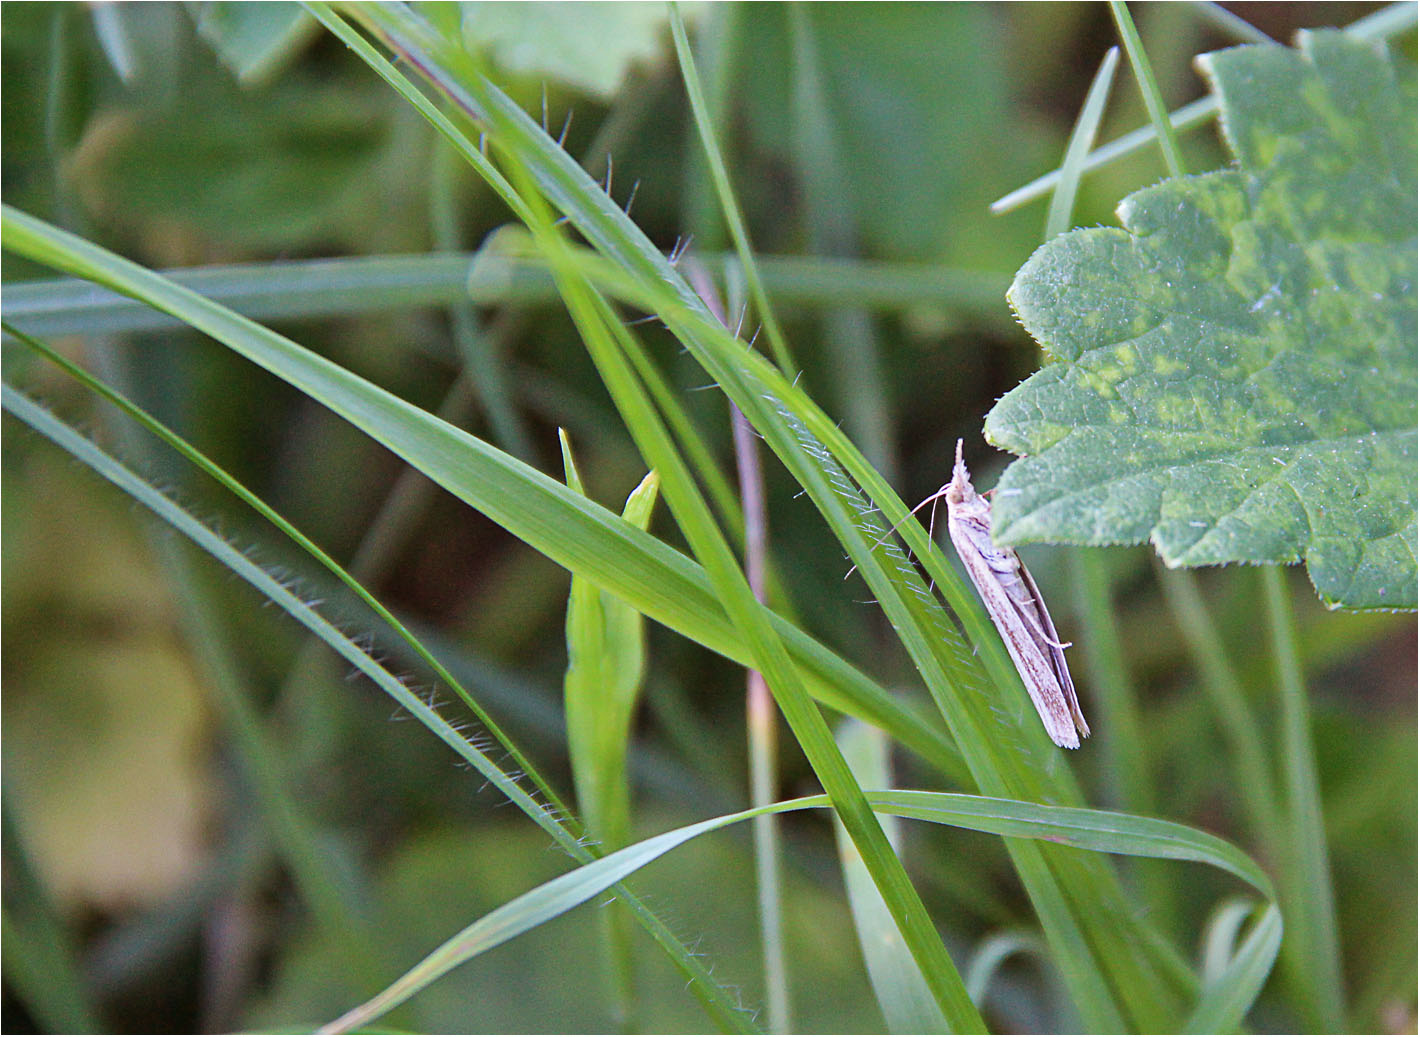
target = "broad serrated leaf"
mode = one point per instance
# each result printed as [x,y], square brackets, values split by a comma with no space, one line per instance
[1239,378]
[255,41]
[587,46]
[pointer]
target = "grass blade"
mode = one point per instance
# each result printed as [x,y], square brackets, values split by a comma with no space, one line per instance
[606,655]
[1226,692]
[906,1003]
[720,178]
[42,966]
[1072,168]
[296,289]
[992,952]
[1307,890]
[606,662]
[1226,1002]
[1149,87]
[1225,21]
[1089,829]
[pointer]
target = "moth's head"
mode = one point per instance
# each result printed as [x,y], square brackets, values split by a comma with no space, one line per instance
[959,489]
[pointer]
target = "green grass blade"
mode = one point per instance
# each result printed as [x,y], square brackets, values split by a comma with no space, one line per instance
[1190,116]
[1389,21]
[606,662]
[761,722]
[1148,86]
[1307,891]
[906,1003]
[1097,830]
[992,952]
[275,291]
[697,450]
[557,175]
[299,289]
[849,335]
[486,368]
[1062,200]
[1115,699]
[720,178]
[1226,693]
[1225,21]
[1224,1003]
[406,89]
[115,40]
[1220,937]
[525,912]
[1102,830]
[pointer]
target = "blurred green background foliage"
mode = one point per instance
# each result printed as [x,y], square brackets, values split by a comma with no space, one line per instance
[148,129]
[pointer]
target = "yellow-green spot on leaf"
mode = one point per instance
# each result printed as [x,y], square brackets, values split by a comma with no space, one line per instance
[1174,410]
[1101,383]
[1128,358]
[1164,365]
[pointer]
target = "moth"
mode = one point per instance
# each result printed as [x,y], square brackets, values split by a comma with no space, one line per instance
[1014,604]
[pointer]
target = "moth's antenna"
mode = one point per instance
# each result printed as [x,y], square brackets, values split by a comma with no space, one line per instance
[897,525]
